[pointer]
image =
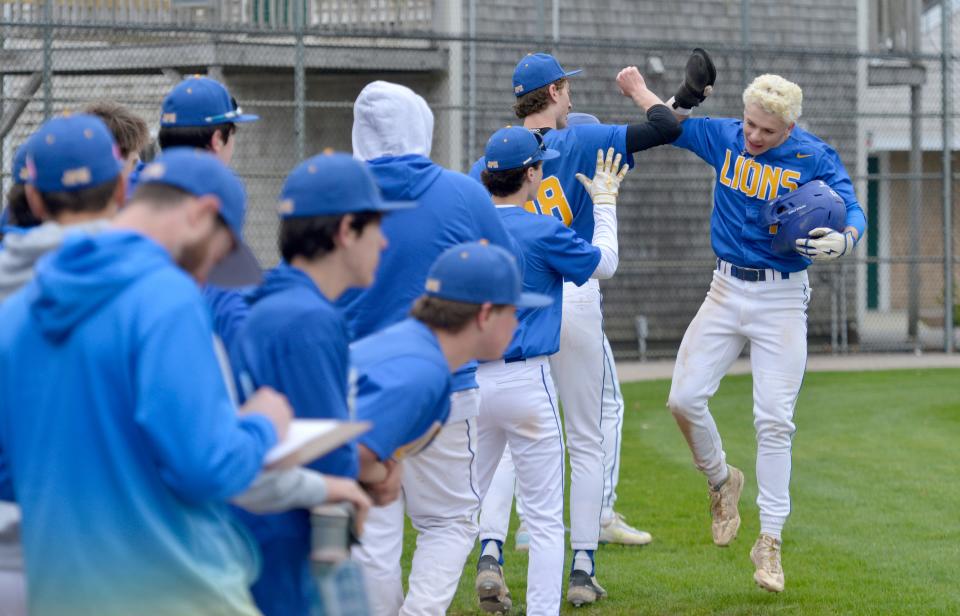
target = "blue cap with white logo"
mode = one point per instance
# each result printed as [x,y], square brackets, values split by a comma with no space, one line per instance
[200,173]
[331,185]
[478,272]
[71,152]
[536,70]
[514,147]
[201,101]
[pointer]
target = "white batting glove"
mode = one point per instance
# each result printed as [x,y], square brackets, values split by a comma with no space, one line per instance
[824,244]
[605,185]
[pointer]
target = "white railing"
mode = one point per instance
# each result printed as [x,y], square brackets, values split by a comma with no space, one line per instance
[365,15]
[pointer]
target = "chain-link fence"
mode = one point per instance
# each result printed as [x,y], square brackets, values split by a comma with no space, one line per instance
[300,65]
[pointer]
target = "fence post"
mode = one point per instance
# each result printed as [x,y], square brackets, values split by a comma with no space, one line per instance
[47,59]
[916,185]
[946,47]
[300,82]
[472,82]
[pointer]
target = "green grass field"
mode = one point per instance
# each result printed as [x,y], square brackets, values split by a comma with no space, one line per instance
[875,527]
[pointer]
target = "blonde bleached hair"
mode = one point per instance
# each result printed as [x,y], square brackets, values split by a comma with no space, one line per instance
[775,95]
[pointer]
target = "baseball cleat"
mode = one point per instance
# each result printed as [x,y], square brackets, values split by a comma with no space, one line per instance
[766,558]
[723,507]
[491,588]
[584,589]
[521,539]
[618,531]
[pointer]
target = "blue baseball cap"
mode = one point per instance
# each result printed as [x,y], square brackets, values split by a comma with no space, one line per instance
[331,185]
[514,147]
[478,272]
[536,70]
[200,173]
[575,118]
[71,152]
[201,101]
[19,170]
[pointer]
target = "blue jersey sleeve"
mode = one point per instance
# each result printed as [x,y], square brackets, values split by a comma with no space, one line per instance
[832,171]
[593,137]
[402,398]
[567,253]
[204,451]
[702,137]
[228,308]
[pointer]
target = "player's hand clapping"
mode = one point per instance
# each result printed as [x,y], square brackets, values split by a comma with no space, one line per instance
[605,185]
[824,244]
[274,406]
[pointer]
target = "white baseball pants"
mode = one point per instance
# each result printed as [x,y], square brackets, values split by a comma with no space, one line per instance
[772,316]
[579,370]
[518,407]
[442,498]
[612,426]
[495,516]
[498,500]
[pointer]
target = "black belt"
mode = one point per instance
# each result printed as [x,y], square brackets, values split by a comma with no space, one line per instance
[512,360]
[749,274]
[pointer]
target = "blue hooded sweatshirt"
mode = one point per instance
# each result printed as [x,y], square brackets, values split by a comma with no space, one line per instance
[118,438]
[452,209]
[393,131]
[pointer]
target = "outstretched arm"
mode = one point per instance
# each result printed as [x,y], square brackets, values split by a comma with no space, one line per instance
[661,126]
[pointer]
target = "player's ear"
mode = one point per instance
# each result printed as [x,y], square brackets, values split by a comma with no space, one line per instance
[483,315]
[35,201]
[554,92]
[345,233]
[202,209]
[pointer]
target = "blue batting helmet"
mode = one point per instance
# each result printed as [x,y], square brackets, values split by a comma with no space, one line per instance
[797,213]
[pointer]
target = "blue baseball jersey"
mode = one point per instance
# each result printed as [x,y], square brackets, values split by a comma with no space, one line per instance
[295,341]
[552,252]
[561,194]
[745,182]
[451,210]
[403,386]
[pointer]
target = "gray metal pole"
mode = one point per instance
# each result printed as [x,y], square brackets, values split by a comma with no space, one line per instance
[300,85]
[542,21]
[555,21]
[946,81]
[472,82]
[916,188]
[3,100]
[47,59]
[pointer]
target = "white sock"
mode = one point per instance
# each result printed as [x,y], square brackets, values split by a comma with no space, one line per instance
[582,561]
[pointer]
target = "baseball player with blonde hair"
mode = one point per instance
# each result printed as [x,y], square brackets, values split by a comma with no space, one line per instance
[782,199]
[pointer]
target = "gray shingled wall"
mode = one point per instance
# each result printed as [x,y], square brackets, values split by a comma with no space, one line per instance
[664,213]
